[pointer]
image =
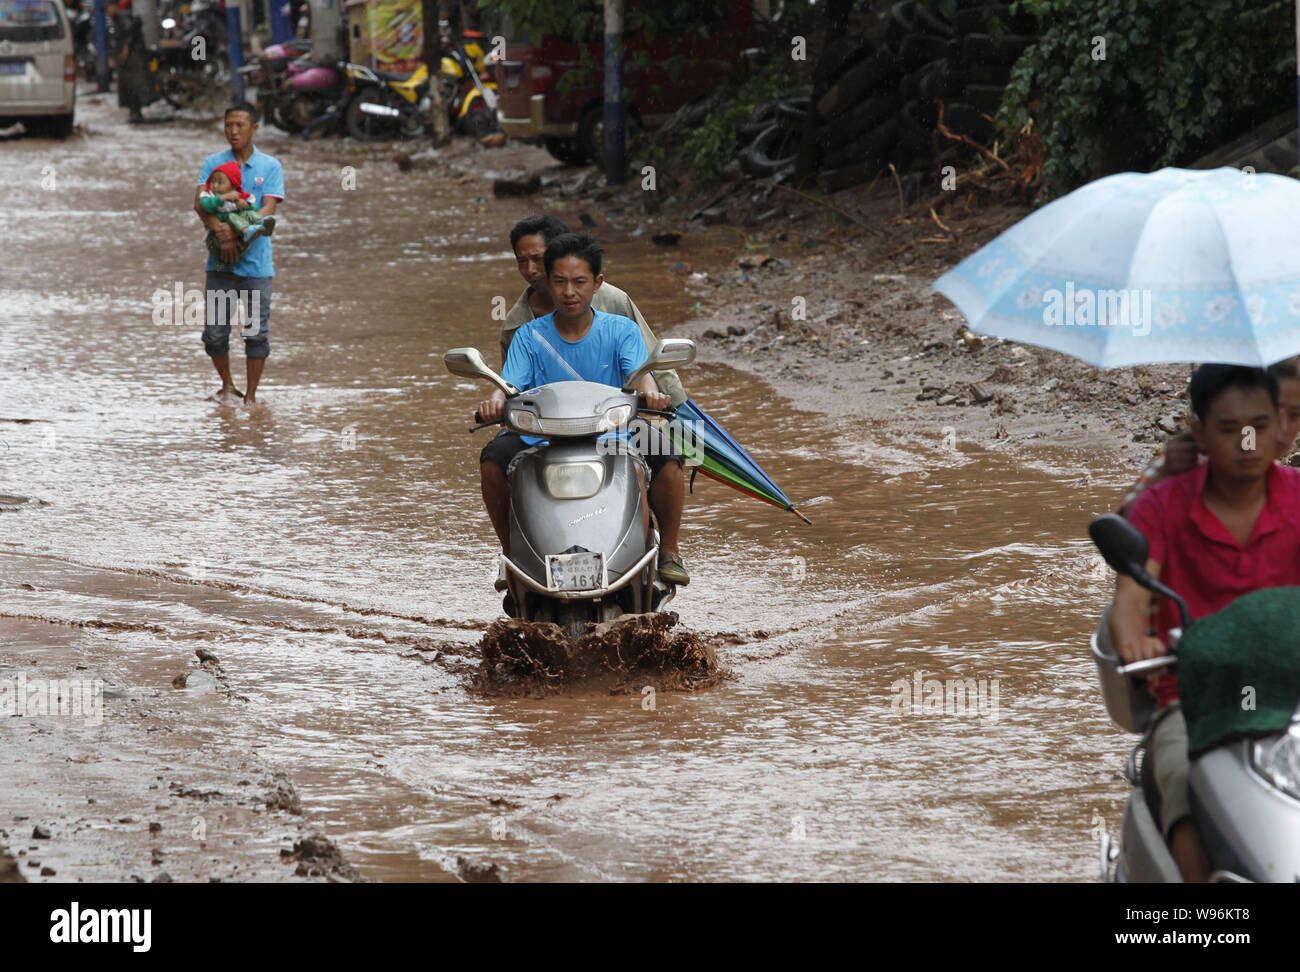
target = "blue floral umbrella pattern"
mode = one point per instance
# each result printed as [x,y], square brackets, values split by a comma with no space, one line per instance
[1177,265]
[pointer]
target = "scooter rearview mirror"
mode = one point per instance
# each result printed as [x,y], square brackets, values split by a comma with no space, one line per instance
[667,353]
[1121,544]
[468,363]
[1127,551]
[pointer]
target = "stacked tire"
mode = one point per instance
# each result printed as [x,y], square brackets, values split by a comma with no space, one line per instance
[881,103]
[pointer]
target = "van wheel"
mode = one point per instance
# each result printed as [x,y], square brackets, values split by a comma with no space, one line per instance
[591,132]
[563,149]
[61,126]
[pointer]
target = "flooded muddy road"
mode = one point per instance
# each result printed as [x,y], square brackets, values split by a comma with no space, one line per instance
[331,551]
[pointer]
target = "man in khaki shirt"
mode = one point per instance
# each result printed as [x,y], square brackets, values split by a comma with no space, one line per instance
[528,239]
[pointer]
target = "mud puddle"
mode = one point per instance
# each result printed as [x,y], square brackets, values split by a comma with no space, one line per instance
[330,551]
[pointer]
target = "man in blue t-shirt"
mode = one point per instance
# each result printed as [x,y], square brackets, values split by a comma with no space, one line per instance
[576,343]
[249,280]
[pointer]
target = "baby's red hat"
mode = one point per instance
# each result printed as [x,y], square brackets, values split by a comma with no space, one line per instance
[231,170]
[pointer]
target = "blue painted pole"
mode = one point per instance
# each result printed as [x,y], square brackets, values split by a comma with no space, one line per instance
[101,45]
[235,42]
[278,13]
[615,125]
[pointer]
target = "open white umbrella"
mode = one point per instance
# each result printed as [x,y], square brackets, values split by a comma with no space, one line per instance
[1172,266]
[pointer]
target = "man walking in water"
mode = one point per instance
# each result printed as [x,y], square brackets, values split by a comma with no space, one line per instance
[248,283]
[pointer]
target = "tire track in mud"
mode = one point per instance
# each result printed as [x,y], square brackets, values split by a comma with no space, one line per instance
[235,587]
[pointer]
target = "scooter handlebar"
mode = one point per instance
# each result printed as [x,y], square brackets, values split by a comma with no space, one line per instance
[669,413]
[1147,665]
[483,425]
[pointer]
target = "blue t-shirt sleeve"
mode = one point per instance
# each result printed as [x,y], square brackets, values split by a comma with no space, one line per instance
[206,168]
[519,362]
[632,353]
[274,185]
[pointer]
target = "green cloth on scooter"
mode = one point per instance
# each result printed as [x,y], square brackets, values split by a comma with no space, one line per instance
[1239,669]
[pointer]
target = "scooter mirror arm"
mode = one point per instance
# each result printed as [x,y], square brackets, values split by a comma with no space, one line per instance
[1139,573]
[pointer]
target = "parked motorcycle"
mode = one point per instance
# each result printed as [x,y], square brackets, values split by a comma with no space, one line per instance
[1244,792]
[579,550]
[388,105]
[469,88]
[270,69]
[312,97]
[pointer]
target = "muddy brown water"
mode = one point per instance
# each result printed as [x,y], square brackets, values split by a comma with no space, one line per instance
[332,551]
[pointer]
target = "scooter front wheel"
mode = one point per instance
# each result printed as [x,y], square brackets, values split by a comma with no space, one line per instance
[573,617]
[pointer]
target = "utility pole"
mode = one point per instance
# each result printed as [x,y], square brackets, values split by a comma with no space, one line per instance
[429,15]
[101,46]
[615,125]
[326,25]
[235,47]
[277,12]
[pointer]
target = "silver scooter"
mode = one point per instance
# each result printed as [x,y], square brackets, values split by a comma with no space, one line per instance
[1244,793]
[583,547]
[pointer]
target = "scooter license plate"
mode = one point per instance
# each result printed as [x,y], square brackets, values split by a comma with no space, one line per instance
[576,571]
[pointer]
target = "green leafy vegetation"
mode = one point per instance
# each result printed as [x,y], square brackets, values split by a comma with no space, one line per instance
[1176,80]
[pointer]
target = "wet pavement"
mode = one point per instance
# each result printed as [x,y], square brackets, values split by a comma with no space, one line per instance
[331,550]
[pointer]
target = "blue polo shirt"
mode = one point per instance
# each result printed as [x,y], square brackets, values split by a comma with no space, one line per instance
[262,176]
[611,350]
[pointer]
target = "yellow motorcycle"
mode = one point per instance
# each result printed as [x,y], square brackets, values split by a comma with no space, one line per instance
[387,105]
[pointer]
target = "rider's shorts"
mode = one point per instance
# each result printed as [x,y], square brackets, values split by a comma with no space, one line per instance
[648,442]
[1168,748]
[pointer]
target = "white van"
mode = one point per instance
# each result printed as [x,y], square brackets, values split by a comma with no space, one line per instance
[38,66]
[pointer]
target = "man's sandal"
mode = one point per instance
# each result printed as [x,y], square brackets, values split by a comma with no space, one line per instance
[672,571]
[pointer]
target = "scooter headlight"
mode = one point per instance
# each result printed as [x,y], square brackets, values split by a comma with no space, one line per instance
[522,418]
[573,480]
[616,417]
[1277,759]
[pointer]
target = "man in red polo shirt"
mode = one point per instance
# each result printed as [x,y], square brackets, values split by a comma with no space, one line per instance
[1226,528]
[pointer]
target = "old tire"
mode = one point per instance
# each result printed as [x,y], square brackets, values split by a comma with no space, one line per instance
[998,74]
[943,80]
[987,49]
[932,23]
[876,144]
[901,22]
[834,180]
[963,119]
[861,120]
[918,50]
[771,151]
[983,18]
[862,78]
[842,56]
